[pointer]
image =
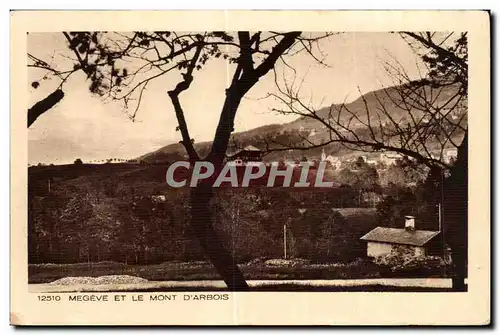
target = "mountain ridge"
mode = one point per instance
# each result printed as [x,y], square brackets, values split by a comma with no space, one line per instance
[381,105]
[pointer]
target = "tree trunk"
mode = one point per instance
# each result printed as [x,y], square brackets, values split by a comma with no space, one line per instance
[244,78]
[455,218]
[201,221]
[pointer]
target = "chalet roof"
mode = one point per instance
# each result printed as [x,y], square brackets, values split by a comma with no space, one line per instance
[250,148]
[400,236]
[247,148]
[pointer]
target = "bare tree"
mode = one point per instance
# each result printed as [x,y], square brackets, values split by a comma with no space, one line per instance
[416,118]
[120,66]
[51,69]
[450,61]
[53,98]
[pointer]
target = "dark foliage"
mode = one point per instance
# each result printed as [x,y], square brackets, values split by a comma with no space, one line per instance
[84,215]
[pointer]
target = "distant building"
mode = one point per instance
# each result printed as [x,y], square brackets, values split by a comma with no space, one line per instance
[390,158]
[450,155]
[334,161]
[381,241]
[337,164]
[371,198]
[292,163]
[158,198]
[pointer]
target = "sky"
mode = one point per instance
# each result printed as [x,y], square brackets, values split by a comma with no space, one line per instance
[83,126]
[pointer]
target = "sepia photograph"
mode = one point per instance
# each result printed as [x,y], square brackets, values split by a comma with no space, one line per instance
[197,164]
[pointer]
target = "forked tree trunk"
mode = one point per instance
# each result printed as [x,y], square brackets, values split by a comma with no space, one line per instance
[214,250]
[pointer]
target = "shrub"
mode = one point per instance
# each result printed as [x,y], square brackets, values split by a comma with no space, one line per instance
[402,258]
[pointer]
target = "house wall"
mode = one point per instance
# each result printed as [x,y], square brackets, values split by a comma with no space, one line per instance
[378,249]
[248,156]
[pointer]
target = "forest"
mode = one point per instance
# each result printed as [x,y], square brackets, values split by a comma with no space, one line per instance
[125,213]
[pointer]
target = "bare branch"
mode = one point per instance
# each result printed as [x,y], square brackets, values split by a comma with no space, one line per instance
[179,113]
[44,105]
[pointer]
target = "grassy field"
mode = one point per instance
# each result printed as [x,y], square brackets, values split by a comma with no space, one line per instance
[255,270]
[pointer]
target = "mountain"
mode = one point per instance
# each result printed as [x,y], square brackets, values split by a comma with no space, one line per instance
[386,108]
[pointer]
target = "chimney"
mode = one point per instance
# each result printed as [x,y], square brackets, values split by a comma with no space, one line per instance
[409,223]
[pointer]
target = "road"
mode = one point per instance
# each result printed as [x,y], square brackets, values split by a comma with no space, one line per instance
[433,283]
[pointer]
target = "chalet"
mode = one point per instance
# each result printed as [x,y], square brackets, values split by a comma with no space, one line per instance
[381,241]
[247,155]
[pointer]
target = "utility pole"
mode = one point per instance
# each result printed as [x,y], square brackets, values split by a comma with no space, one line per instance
[440,218]
[284,239]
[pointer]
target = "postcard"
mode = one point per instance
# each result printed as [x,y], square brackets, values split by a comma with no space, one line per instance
[250,168]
